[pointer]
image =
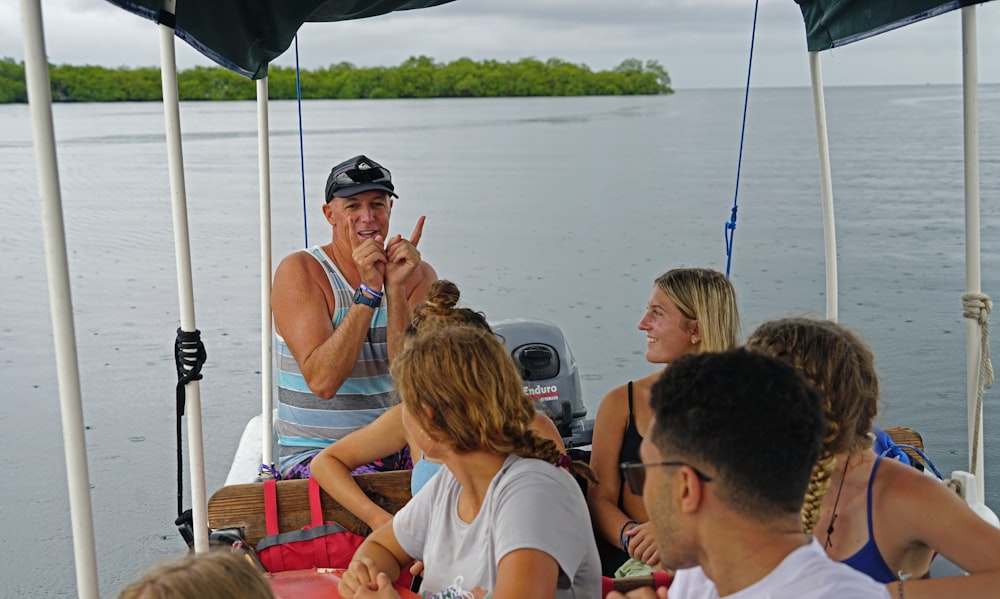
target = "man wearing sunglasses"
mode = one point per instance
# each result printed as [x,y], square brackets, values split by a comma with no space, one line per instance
[725,466]
[340,310]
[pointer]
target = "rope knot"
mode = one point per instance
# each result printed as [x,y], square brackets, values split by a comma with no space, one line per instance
[977,306]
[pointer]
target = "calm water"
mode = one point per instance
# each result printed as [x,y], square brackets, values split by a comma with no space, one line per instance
[563,209]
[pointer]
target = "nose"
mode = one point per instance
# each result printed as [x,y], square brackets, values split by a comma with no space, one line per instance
[642,323]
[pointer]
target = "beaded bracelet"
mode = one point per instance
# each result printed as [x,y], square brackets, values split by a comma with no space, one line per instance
[900,578]
[622,539]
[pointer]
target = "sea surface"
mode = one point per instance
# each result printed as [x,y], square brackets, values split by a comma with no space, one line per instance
[564,209]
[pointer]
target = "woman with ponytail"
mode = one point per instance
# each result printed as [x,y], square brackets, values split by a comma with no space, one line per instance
[882,517]
[332,468]
[504,519]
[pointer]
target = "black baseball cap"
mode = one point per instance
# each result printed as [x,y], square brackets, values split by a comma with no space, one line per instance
[358,174]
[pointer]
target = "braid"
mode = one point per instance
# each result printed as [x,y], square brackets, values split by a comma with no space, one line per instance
[529,444]
[840,365]
[819,483]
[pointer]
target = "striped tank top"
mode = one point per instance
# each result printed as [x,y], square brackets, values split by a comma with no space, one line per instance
[306,422]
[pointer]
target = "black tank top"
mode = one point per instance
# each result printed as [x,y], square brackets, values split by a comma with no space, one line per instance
[632,439]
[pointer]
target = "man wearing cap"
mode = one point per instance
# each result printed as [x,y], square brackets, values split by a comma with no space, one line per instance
[340,311]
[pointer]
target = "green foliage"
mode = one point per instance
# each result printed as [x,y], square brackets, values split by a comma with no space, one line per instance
[416,77]
[12,86]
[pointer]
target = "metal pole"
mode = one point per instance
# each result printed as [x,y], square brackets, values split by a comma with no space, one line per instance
[185,288]
[973,281]
[57,267]
[264,166]
[826,187]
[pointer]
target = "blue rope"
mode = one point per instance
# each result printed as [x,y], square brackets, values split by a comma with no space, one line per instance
[302,155]
[730,228]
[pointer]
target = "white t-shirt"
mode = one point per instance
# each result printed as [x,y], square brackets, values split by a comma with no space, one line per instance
[530,504]
[806,573]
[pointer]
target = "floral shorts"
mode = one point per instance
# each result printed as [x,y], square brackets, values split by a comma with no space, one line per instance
[398,461]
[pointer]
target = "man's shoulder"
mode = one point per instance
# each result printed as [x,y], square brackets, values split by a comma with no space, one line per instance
[300,263]
[806,573]
[809,574]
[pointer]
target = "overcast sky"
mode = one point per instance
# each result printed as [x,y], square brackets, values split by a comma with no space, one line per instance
[702,43]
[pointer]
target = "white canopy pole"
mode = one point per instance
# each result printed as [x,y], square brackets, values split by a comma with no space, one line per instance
[266,378]
[826,187]
[973,284]
[185,288]
[61,303]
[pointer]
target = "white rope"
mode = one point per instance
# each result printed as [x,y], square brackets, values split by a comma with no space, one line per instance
[978,307]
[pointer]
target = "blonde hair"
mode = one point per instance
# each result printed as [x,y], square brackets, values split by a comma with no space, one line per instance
[841,366]
[460,385]
[707,296]
[220,574]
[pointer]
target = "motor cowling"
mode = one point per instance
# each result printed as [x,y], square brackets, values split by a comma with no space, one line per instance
[550,374]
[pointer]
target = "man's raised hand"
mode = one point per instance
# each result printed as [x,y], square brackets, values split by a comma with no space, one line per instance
[403,256]
[369,257]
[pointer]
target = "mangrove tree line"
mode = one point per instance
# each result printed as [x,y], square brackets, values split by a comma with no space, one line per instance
[417,77]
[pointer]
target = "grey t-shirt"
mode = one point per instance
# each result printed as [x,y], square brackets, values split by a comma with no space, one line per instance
[530,504]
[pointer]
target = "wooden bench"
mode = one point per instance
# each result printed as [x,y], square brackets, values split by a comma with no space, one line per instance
[904,435]
[242,506]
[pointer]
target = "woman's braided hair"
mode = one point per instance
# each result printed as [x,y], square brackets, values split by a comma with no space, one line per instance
[842,368]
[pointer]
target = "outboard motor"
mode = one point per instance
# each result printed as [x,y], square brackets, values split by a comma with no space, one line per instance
[551,377]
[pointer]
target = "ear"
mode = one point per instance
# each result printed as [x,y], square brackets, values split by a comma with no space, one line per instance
[428,413]
[328,212]
[690,490]
[695,331]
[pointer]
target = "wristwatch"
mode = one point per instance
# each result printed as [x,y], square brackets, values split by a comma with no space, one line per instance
[371,302]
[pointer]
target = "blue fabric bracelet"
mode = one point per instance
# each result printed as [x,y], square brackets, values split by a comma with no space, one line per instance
[622,539]
[370,291]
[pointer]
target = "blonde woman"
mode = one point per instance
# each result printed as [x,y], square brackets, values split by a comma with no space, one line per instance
[503,519]
[333,467]
[220,574]
[691,310]
[877,515]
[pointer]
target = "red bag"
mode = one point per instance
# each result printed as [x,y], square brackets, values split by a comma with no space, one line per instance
[319,545]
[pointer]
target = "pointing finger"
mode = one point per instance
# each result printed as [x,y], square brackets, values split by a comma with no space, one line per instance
[418,230]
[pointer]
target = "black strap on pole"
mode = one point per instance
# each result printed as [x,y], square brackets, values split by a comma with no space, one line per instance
[189,357]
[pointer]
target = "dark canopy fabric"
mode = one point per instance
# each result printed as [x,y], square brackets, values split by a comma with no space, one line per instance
[245,35]
[833,23]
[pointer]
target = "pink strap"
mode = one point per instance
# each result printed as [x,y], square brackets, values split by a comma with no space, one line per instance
[271,506]
[315,505]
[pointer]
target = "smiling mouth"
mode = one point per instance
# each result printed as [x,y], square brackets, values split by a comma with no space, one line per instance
[367,234]
[650,340]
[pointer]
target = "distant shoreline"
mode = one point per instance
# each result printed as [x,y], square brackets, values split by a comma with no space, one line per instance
[417,77]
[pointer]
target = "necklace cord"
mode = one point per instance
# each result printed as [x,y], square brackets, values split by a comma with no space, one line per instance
[836,502]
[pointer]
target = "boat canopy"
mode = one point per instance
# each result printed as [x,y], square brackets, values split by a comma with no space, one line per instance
[244,36]
[834,23]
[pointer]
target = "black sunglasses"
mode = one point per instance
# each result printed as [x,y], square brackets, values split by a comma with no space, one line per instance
[634,473]
[352,175]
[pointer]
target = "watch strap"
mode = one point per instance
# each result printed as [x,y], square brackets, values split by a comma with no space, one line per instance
[361,298]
